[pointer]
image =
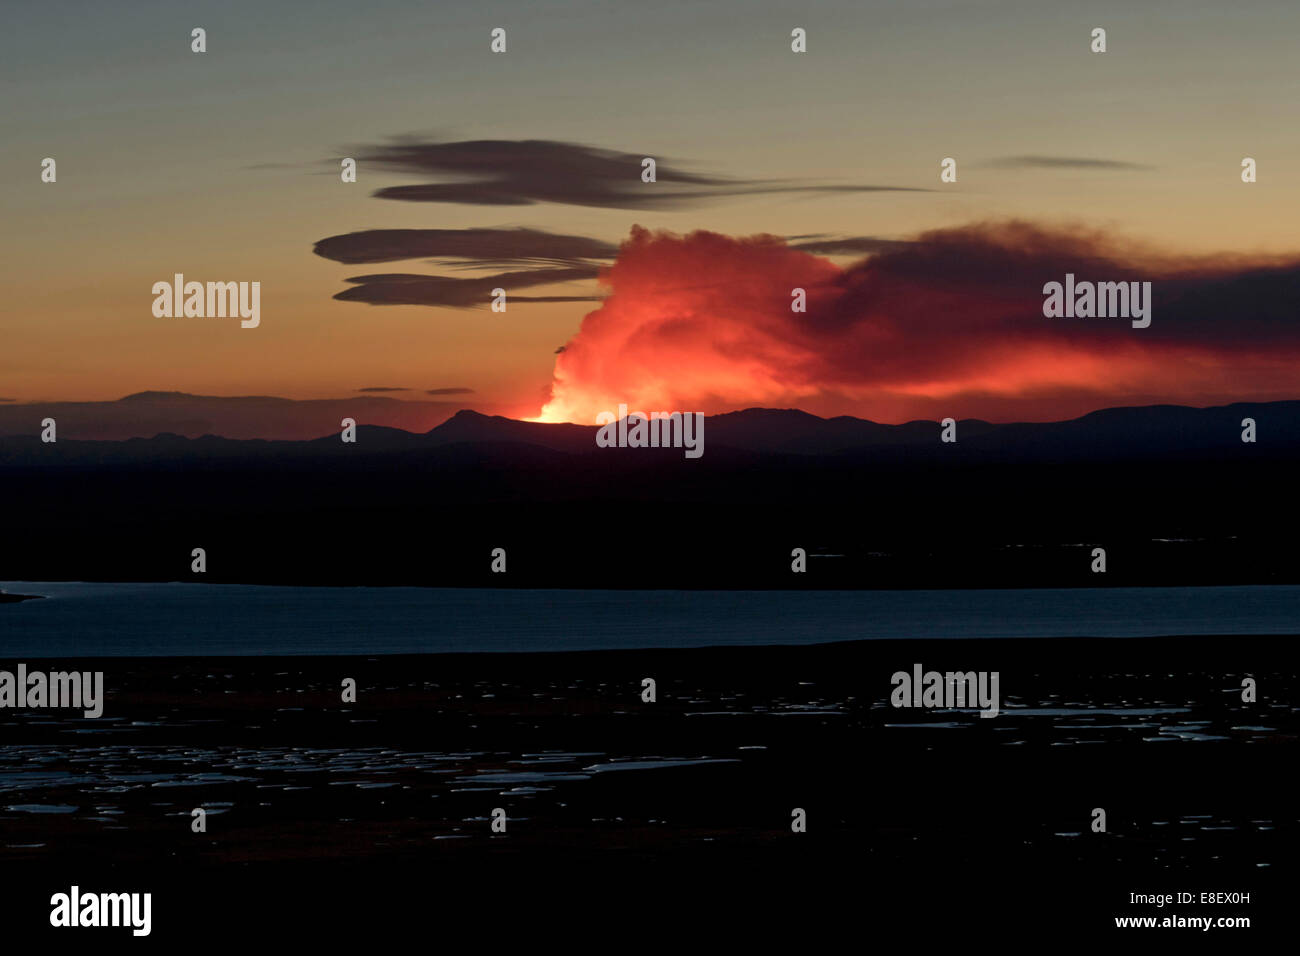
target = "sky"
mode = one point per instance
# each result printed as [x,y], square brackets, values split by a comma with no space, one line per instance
[224,166]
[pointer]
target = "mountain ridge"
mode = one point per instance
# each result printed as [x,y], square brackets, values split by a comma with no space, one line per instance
[1122,432]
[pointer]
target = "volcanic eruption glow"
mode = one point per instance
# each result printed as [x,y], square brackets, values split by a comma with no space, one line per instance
[951,323]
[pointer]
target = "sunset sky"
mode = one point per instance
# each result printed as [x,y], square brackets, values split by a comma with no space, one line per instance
[225,166]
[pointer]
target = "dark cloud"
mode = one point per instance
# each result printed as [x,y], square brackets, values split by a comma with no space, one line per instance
[526,172]
[994,273]
[408,289]
[483,246]
[382,388]
[1063,162]
[8,399]
[449,391]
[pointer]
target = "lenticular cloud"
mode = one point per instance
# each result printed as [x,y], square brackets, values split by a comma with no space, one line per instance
[951,323]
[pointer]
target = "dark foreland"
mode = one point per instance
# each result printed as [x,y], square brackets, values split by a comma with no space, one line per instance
[651,821]
[7,598]
[1173,495]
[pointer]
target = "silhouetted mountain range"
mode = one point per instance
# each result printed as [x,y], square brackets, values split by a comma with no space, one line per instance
[1142,432]
[1138,432]
[1172,493]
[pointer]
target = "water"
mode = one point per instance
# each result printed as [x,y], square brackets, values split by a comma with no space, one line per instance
[91,619]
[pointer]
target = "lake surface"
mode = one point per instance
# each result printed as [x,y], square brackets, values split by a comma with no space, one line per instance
[95,619]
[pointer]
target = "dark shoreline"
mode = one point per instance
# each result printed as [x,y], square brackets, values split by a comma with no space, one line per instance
[7,598]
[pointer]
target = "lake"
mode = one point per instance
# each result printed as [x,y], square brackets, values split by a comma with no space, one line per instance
[78,619]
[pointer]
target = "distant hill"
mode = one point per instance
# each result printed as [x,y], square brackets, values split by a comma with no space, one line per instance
[145,414]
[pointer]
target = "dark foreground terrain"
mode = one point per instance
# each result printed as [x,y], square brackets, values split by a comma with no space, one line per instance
[665,823]
[1172,494]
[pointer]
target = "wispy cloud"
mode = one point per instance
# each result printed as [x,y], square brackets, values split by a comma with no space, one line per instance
[500,172]
[848,245]
[481,246]
[407,289]
[1063,162]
